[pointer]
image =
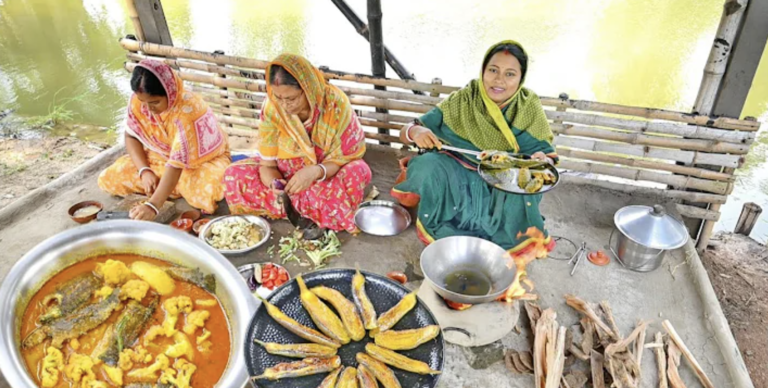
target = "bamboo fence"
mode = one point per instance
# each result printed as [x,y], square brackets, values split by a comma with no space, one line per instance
[651,151]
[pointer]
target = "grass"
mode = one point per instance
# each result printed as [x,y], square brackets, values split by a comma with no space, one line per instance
[58,112]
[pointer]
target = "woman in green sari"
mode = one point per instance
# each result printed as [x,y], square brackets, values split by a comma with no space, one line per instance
[494,112]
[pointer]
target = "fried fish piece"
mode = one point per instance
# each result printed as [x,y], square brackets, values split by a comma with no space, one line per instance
[306,367]
[325,319]
[70,296]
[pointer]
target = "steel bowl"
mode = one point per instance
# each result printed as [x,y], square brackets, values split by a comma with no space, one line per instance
[451,254]
[122,236]
[382,218]
[205,232]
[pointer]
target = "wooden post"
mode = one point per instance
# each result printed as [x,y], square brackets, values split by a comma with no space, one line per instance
[376,39]
[224,97]
[436,81]
[363,30]
[733,12]
[748,218]
[152,26]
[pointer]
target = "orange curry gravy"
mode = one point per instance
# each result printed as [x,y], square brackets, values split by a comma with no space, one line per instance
[210,366]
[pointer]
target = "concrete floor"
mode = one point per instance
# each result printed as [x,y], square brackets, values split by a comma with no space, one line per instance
[579,213]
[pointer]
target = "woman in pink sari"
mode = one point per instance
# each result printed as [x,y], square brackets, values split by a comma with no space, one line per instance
[311,146]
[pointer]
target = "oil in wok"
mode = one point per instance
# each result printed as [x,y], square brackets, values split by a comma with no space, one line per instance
[468,282]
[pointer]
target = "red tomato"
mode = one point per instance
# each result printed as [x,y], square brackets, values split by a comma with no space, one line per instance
[268,266]
[282,278]
[269,284]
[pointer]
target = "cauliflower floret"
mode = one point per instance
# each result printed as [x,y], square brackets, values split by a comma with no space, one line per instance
[201,338]
[150,373]
[206,302]
[53,363]
[134,289]
[115,375]
[103,292]
[205,347]
[129,356]
[90,383]
[152,333]
[174,307]
[196,319]
[114,272]
[181,348]
[74,344]
[79,367]
[185,370]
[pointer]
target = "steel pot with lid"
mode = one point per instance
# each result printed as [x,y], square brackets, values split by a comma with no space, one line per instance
[645,234]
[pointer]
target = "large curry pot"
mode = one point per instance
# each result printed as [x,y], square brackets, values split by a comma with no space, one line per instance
[136,237]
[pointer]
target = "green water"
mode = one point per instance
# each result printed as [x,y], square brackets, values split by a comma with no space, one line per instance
[635,52]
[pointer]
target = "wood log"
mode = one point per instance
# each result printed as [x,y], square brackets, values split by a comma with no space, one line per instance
[583,307]
[596,365]
[675,381]
[650,127]
[540,336]
[651,113]
[748,218]
[697,212]
[639,348]
[588,338]
[578,353]
[632,189]
[533,311]
[611,321]
[705,381]
[639,163]
[676,181]
[661,361]
[658,141]
[687,157]
[555,370]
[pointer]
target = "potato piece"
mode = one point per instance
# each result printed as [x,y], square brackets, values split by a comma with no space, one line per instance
[157,278]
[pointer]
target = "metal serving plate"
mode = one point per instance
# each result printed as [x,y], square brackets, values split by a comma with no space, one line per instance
[506,179]
[382,218]
[384,294]
[256,220]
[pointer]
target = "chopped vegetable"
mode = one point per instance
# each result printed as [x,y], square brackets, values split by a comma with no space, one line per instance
[234,234]
[318,251]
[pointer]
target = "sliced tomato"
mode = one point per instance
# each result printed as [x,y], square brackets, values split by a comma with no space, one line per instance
[268,266]
[269,284]
[282,278]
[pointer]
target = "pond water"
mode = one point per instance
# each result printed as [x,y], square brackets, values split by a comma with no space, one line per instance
[635,52]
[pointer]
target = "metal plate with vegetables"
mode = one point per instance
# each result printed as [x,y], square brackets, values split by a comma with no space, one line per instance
[265,333]
[236,234]
[517,176]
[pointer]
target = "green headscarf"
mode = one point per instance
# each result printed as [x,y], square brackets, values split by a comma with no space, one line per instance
[472,115]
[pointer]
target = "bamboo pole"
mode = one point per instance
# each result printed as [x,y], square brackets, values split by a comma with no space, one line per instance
[639,163]
[639,190]
[650,113]
[733,11]
[134,16]
[697,212]
[687,157]
[637,138]
[648,127]
[677,181]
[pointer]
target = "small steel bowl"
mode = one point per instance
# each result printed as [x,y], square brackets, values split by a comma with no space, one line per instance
[205,233]
[455,253]
[382,218]
[84,219]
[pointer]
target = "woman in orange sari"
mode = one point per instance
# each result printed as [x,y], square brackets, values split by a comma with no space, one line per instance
[311,146]
[175,146]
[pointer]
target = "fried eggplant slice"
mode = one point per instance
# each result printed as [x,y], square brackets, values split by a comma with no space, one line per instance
[330,380]
[348,378]
[362,302]
[306,367]
[297,350]
[325,319]
[346,309]
[294,327]
[395,314]
[382,372]
[398,360]
[365,378]
[407,339]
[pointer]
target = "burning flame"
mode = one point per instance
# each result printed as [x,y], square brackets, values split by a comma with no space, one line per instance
[536,247]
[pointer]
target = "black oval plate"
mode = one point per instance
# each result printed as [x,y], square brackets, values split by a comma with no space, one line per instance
[384,294]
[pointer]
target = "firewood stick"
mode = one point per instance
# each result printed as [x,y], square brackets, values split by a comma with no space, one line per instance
[533,311]
[611,321]
[539,346]
[578,353]
[639,347]
[672,363]
[705,381]
[596,364]
[588,338]
[555,372]
[661,360]
[584,308]
[624,344]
